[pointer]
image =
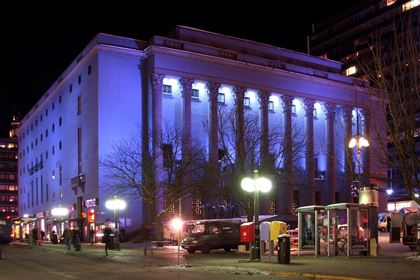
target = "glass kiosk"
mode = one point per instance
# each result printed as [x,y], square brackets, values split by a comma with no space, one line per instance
[310,218]
[348,229]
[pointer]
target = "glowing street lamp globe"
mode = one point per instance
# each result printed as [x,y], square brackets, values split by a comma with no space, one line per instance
[115,204]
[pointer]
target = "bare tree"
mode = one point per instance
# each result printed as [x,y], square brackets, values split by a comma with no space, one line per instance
[132,173]
[393,67]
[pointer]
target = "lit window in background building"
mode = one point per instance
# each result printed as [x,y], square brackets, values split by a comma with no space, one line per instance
[410,4]
[351,70]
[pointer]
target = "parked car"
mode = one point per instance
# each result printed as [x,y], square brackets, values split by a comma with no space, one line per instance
[383,221]
[205,235]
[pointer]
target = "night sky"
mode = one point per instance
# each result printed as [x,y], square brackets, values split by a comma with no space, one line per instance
[38,44]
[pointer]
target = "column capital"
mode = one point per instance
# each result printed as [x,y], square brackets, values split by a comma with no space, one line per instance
[264,96]
[287,101]
[186,84]
[213,89]
[329,109]
[347,112]
[157,79]
[309,106]
[239,91]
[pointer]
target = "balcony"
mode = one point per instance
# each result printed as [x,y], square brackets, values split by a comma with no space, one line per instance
[78,182]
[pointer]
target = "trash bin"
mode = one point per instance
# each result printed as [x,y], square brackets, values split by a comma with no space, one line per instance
[284,249]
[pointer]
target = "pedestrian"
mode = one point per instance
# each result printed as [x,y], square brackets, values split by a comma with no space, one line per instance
[76,239]
[388,223]
[107,237]
[67,238]
[91,236]
[34,236]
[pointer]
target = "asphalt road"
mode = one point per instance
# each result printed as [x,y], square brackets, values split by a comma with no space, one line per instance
[55,262]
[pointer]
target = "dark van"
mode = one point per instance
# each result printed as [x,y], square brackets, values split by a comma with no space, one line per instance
[205,235]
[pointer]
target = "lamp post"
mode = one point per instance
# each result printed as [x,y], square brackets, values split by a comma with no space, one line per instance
[359,142]
[116,204]
[256,185]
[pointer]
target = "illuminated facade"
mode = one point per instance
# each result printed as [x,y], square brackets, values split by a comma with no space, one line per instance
[180,81]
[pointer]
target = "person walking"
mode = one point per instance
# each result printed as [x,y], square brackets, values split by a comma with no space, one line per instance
[67,238]
[107,237]
[91,236]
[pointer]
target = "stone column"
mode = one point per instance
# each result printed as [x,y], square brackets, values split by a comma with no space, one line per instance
[366,150]
[264,146]
[308,192]
[348,160]
[330,181]
[186,85]
[213,90]
[286,187]
[157,82]
[240,130]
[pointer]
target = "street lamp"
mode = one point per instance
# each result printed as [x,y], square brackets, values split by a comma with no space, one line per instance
[255,185]
[177,225]
[359,142]
[116,204]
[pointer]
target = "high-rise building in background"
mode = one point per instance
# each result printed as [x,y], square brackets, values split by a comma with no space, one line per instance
[350,37]
[221,93]
[9,176]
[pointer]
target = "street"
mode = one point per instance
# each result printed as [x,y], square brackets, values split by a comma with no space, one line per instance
[51,261]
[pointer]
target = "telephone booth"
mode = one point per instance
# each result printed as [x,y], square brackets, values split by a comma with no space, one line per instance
[348,231]
[311,227]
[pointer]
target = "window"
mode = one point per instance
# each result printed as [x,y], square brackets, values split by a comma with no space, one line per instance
[79,79]
[89,69]
[79,105]
[79,150]
[47,194]
[53,150]
[53,127]
[221,98]
[52,106]
[60,175]
[46,112]
[195,93]
[271,105]
[351,70]
[46,154]
[41,137]
[315,114]
[46,133]
[167,89]
[71,88]
[294,109]
[60,145]
[59,99]
[247,102]
[60,121]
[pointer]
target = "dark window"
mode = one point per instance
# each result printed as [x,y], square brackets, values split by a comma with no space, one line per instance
[53,150]
[271,105]
[89,69]
[337,197]
[59,145]
[53,106]
[79,79]
[195,93]
[79,105]
[167,89]
[79,150]
[59,99]
[53,127]
[71,88]
[60,121]
[46,133]
[294,109]
[221,98]
[247,102]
